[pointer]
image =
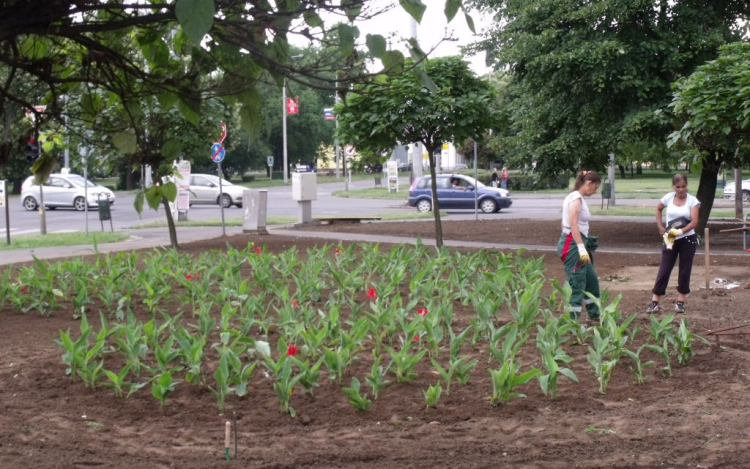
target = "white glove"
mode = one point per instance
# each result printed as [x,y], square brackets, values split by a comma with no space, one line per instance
[583,254]
[675,233]
[669,239]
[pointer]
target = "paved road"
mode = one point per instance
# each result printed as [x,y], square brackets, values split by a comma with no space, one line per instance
[280,203]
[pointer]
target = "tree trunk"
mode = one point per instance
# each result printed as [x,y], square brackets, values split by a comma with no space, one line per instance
[170,223]
[42,214]
[622,170]
[129,183]
[738,193]
[435,203]
[707,189]
[639,169]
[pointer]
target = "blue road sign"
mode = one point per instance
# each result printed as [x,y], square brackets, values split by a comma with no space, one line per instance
[217,152]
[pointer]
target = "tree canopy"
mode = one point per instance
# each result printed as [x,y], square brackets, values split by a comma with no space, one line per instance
[400,109]
[588,77]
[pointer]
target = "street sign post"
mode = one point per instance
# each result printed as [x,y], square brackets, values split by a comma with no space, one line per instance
[217,155]
[392,168]
[4,203]
[269,162]
[183,189]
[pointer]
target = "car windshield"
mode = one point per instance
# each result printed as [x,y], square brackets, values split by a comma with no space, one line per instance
[79,181]
[472,181]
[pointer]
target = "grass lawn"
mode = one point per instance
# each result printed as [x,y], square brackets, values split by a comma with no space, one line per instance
[61,239]
[237,221]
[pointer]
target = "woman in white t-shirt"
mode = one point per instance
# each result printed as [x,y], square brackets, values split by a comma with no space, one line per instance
[576,247]
[680,241]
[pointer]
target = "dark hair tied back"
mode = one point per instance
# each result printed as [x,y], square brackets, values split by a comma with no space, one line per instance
[587,176]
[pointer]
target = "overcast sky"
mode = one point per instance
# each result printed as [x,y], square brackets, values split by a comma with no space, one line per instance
[430,31]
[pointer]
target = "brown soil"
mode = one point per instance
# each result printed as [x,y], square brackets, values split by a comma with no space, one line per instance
[536,232]
[696,418]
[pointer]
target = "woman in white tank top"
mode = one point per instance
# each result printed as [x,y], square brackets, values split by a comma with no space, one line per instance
[576,247]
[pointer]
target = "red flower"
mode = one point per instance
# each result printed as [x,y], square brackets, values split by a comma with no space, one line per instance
[371,294]
[422,312]
[416,338]
[337,251]
[295,304]
[258,250]
[291,351]
[24,289]
[191,277]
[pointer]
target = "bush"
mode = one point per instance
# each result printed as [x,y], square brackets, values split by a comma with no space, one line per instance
[533,182]
[248,178]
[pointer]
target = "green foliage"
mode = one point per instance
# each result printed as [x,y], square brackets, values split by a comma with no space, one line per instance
[432,395]
[358,400]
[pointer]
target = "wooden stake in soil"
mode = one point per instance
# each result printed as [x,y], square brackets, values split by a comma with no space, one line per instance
[227,438]
[708,265]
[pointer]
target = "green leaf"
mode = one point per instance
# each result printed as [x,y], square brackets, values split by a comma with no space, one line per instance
[312,19]
[43,166]
[425,79]
[171,148]
[138,202]
[125,142]
[166,100]
[353,11]
[415,8]
[451,8]
[347,35]
[153,197]
[190,110]
[470,23]
[169,191]
[196,17]
[393,61]
[376,44]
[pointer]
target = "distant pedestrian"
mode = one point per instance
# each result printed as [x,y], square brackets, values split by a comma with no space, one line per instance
[680,241]
[495,178]
[576,248]
[504,178]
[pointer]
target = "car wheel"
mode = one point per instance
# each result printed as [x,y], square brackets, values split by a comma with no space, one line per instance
[29,203]
[488,206]
[225,201]
[746,196]
[79,204]
[424,205]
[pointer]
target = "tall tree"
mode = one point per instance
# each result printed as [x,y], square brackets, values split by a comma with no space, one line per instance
[396,109]
[712,108]
[588,77]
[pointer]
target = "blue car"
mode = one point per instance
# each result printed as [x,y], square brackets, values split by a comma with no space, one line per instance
[456,191]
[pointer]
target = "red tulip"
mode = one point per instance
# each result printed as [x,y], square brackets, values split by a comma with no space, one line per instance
[295,304]
[371,294]
[291,351]
[416,338]
[24,289]
[337,251]
[422,312]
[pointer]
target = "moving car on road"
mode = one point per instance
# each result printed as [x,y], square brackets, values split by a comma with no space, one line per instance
[729,190]
[64,190]
[456,191]
[204,189]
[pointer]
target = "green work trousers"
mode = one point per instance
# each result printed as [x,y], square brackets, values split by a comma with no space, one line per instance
[581,276]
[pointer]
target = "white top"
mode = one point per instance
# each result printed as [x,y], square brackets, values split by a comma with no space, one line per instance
[583,217]
[674,211]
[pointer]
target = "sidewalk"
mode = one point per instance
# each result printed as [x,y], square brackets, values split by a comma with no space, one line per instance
[158,237]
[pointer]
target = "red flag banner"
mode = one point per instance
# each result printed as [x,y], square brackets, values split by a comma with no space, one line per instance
[292,106]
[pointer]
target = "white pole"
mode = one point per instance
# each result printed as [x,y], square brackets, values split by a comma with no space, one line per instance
[476,185]
[221,196]
[612,178]
[283,130]
[86,192]
[336,140]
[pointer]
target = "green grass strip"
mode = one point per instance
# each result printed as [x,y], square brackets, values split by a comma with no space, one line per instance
[374,193]
[61,239]
[620,211]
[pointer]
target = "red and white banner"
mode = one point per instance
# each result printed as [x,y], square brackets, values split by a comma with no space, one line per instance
[292,106]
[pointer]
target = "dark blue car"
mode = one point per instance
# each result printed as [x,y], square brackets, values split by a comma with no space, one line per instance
[456,191]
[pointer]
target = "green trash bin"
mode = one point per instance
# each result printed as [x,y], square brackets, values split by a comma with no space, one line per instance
[606,193]
[104,212]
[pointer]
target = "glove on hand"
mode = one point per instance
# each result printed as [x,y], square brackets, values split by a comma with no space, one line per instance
[669,239]
[675,233]
[583,254]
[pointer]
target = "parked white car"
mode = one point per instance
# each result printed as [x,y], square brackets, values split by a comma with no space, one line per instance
[204,190]
[64,190]
[729,190]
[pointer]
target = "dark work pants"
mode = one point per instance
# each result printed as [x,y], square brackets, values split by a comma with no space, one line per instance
[684,248]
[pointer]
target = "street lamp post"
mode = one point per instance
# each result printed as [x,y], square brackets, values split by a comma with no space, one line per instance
[283,124]
[83,151]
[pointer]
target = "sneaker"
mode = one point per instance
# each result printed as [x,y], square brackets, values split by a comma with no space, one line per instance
[679,307]
[653,308]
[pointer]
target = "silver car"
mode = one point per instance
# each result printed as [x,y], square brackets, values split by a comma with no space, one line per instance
[204,190]
[64,190]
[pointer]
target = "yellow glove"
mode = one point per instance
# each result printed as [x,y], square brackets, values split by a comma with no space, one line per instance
[669,239]
[675,233]
[583,255]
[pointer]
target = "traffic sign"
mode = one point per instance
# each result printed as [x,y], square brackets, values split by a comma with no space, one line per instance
[350,151]
[217,152]
[269,160]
